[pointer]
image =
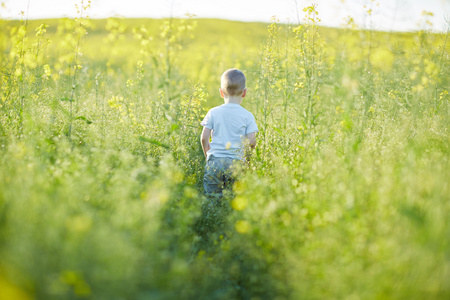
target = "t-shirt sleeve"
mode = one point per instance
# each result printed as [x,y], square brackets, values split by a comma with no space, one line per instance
[251,126]
[207,121]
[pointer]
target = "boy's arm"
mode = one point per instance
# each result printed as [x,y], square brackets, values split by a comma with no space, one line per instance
[204,139]
[251,144]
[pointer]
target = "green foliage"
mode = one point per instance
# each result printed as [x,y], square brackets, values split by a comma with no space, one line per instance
[346,194]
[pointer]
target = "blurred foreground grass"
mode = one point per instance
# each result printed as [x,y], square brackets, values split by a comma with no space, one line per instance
[346,196]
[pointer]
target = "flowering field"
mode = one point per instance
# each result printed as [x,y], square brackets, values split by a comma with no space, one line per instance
[346,195]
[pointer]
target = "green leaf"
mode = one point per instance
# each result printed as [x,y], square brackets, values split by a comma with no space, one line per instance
[277,129]
[414,213]
[173,127]
[155,61]
[84,119]
[154,142]
[174,97]
[67,99]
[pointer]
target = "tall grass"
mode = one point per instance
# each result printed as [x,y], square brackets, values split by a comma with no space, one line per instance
[345,195]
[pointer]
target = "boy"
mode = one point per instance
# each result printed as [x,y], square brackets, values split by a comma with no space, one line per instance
[233,132]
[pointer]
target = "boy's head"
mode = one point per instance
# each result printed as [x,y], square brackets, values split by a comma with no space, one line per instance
[233,83]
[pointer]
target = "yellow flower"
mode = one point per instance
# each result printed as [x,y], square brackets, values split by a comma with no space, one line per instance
[242,226]
[424,80]
[18,72]
[239,203]
[11,291]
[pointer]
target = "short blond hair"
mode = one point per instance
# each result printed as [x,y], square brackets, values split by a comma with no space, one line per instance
[233,82]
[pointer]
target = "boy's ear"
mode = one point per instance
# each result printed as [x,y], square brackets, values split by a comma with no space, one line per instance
[244,93]
[221,93]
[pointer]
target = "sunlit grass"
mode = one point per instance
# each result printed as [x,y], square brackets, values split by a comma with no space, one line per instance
[101,171]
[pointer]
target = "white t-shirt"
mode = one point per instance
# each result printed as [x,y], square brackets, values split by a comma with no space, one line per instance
[230,123]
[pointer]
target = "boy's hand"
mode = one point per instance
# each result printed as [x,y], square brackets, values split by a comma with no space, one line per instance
[251,140]
[204,140]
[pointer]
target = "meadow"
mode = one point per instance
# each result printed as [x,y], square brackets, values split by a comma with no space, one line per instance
[346,195]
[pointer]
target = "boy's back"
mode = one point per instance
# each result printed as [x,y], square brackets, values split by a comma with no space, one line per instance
[230,124]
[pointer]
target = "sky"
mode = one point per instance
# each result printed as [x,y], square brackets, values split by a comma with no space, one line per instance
[390,15]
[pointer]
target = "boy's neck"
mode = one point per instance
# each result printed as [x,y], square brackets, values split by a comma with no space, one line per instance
[235,100]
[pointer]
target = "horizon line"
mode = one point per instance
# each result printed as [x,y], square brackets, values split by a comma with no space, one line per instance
[194,17]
